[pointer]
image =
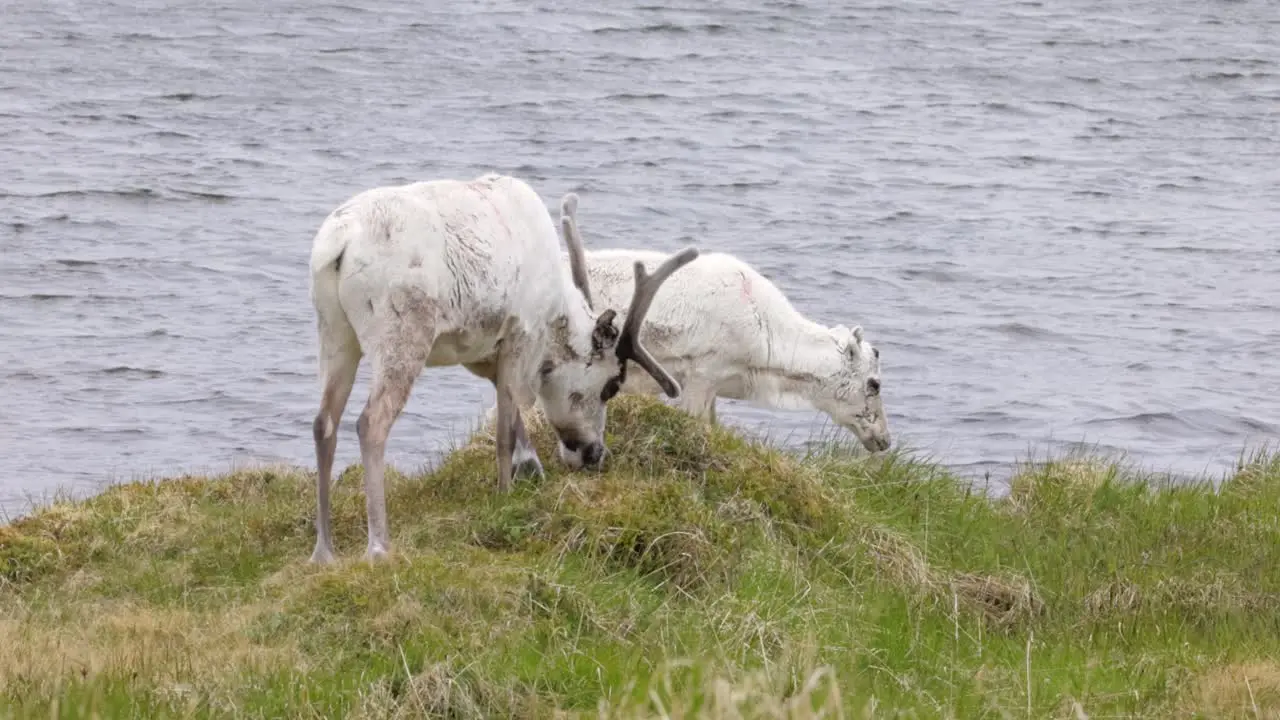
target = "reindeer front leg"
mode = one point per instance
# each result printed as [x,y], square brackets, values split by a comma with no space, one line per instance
[524,459]
[698,398]
[505,433]
[524,456]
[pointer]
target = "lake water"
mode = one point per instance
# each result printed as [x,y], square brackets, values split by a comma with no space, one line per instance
[1060,221]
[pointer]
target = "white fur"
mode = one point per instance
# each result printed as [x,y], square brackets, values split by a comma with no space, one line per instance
[448,272]
[479,248]
[724,330]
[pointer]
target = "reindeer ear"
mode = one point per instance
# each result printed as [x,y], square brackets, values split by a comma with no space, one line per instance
[605,335]
[847,340]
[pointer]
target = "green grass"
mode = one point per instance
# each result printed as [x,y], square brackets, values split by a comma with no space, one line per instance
[701,575]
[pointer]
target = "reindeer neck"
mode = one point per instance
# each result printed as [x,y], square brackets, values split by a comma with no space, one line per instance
[574,322]
[800,359]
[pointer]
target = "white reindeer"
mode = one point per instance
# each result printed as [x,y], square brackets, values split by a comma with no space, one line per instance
[723,330]
[452,272]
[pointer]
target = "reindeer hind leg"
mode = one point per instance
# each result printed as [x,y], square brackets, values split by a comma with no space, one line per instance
[399,358]
[339,359]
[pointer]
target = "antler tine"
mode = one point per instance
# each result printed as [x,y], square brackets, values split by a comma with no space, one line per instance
[573,241]
[647,287]
[629,346]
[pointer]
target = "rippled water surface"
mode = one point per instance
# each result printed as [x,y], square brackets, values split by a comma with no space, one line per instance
[1060,221]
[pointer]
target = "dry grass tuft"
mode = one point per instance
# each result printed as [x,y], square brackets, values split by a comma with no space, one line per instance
[436,692]
[162,647]
[25,556]
[661,529]
[1247,690]
[1211,594]
[755,696]
[898,558]
[1118,596]
[1202,595]
[1255,475]
[1073,475]
[546,599]
[1005,601]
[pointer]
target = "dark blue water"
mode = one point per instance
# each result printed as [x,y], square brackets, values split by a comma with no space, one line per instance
[1059,221]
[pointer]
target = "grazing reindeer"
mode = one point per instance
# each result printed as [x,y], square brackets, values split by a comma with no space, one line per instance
[724,330]
[449,272]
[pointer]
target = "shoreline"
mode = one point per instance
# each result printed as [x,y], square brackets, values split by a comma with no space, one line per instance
[989,476]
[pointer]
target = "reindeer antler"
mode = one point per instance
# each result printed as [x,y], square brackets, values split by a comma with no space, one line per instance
[573,240]
[629,346]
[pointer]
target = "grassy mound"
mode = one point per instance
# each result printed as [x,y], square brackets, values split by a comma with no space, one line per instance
[701,575]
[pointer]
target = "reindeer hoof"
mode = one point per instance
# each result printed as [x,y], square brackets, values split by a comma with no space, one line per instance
[531,467]
[526,463]
[376,553]
[322,556]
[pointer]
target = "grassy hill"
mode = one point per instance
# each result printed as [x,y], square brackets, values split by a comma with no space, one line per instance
[701,575]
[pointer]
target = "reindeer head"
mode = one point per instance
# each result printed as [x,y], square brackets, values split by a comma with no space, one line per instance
[852,396]
[589,365]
